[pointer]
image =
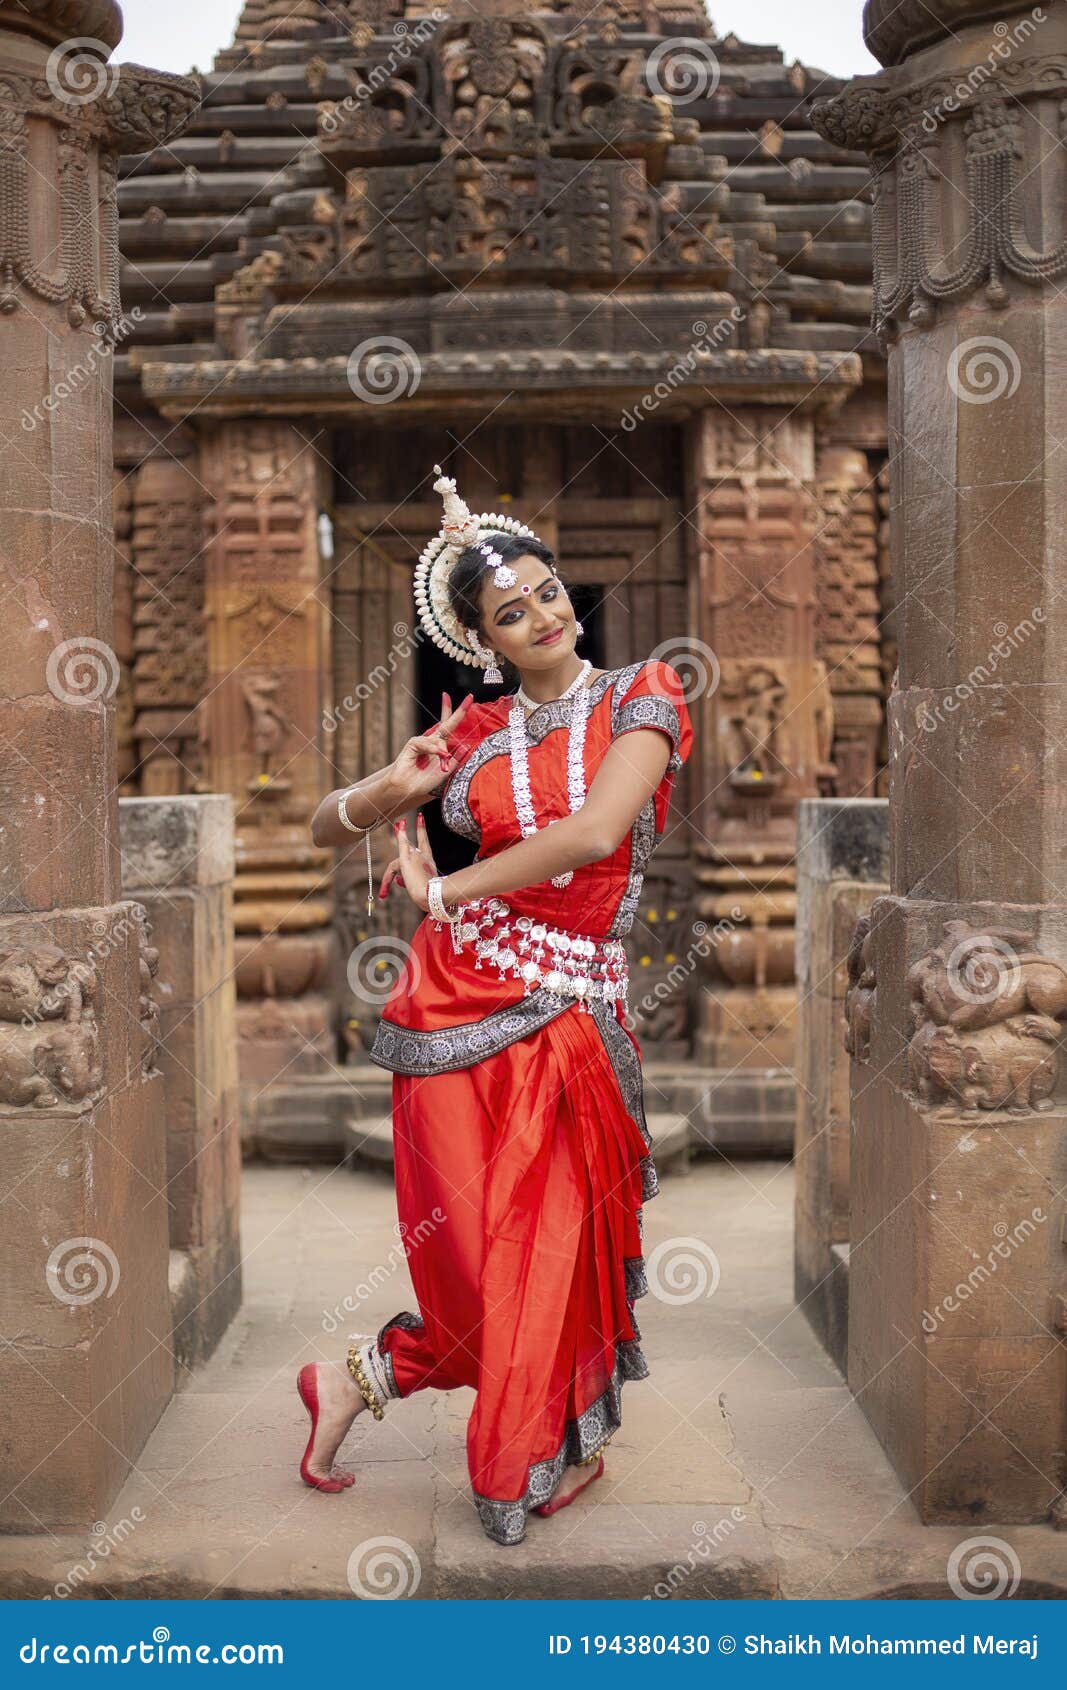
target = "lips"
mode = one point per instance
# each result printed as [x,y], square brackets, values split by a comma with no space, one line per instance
[550,639]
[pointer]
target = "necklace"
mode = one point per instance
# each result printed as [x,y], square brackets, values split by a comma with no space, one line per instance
[520,762]
[535,704]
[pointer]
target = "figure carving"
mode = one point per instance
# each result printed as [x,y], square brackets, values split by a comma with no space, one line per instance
[985,1014]
[147,1008]
[1008,1066]
[49,1048]
[756,699]
[40,983]
[270,728]
[859,995]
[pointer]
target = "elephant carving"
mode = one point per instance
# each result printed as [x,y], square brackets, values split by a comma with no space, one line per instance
[47,1064]
[985,1013]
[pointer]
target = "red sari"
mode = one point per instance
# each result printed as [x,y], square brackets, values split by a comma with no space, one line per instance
[522,1153]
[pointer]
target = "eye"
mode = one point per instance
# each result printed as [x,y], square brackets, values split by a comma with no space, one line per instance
[546,594]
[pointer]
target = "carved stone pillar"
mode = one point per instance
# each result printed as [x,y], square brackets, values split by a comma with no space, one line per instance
[84,1310]
[847,635]
[166,544]
[842,863]
[267,693]
[959,1151]
[177,860]
[764,737]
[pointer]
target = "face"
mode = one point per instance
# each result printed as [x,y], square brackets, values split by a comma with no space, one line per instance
[534,629]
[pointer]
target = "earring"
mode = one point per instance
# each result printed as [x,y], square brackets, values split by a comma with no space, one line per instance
[493,677]
[578,630]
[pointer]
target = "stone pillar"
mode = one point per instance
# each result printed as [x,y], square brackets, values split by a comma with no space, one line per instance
[842,864]
[268,691]
[764,737]
[87,1365]
[959,1106]
[177,861]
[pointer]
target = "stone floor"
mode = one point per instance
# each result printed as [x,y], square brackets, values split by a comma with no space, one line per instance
[743,1467]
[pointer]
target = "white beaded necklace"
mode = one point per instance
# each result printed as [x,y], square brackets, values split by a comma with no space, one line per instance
[520,762]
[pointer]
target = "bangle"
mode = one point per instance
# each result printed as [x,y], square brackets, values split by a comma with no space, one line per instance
[438,908]
[343,813]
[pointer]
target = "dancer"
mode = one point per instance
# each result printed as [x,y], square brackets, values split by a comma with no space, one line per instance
[522,1154]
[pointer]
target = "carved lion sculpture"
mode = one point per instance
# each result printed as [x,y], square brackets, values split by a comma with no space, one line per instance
[41,983]
[979,976]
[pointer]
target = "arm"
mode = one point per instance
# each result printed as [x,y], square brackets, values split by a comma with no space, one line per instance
[377,798]
[630,772]
[417,773]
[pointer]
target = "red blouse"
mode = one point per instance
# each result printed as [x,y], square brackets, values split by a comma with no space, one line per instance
[451,1010]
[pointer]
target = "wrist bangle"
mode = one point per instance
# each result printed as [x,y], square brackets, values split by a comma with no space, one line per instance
[438,908]
[352,828]
[346,820]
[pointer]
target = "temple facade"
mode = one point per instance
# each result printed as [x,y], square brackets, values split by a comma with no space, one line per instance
[595,261]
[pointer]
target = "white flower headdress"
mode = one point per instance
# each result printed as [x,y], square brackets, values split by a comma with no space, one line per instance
[458,532]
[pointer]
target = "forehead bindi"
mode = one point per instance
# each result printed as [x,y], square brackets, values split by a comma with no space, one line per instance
[531,580]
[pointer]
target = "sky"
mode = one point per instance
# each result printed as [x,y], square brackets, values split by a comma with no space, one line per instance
[824,33]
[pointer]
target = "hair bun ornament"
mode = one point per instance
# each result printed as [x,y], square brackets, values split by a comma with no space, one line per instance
[459,531]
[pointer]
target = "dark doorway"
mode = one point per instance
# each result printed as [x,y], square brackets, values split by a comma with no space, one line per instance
[437,673]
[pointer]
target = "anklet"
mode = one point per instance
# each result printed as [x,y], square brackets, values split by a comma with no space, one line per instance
[367,1391]
[587,1460]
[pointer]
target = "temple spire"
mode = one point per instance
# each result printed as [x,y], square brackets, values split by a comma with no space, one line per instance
[281,20]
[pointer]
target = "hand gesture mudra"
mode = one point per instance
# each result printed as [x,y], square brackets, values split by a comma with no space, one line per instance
[424,762]
[414,868]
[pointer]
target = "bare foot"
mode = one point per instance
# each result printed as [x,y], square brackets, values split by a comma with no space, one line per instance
[573,1478]
[340,1400]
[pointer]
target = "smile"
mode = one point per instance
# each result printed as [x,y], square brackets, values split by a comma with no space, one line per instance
[550,639]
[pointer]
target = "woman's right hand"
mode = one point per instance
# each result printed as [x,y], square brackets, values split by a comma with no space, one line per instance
[425,761]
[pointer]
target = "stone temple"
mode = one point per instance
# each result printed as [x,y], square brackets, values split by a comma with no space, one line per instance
[772,361]
[388,238]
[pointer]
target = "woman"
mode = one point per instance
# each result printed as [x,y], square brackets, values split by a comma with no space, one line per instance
[522,1154]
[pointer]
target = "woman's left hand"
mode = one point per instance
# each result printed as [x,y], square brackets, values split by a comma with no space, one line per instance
[415,863]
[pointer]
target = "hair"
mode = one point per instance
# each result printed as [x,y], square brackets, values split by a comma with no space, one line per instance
[468,578]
